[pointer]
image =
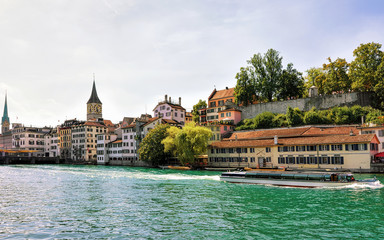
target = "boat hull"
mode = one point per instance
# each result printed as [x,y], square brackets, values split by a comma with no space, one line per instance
[286,183]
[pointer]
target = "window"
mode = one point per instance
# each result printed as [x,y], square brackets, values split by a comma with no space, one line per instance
[268,159]
[324,148]
[337,147]
[252,159]
[301,160]
[252,150]
[230,150]
[222,114]
[312,160]
[311,148]
[290,160]
[222,150]
[267,149]
[281,160]
[324,160]
[300,148]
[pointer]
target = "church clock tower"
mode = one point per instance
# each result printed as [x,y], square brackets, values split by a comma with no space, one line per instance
[5,119]
[94,105]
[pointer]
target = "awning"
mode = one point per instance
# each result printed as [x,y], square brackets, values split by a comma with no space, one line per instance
[379,154]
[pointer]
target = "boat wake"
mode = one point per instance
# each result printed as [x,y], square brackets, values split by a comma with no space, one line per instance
[361,186]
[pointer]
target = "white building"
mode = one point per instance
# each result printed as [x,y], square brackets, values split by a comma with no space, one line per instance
[30,139]
[103,140]
[52,146]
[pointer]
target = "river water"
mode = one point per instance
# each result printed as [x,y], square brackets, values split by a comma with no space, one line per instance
[97,202]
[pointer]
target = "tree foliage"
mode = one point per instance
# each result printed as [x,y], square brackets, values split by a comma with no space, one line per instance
[336,76]
[188,142]
[245,87]
[265,78]
[368,58]
[195,112]
[151,149]
[291,83]
[294,116]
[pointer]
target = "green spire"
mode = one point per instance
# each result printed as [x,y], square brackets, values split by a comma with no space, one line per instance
[5,114]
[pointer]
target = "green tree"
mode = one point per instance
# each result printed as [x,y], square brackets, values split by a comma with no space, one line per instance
[315,77]
[195,112]
[363,70]
[188,142]
[379,87]
[294,117]
[245,87]
[291,83]
[263,120]
[151,149]
[267,71]
[336,76]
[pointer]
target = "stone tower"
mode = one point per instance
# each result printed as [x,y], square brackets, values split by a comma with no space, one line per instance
[5,119]
[94,105]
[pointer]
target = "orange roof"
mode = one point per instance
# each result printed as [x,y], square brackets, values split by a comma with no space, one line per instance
[130,126]
[151,120]
[96,124]
[269,133]
[108,123]
[117,141]
[334,139]
[226,93]
[332,130]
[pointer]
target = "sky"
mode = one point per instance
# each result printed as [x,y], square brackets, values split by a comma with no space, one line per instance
[140,50]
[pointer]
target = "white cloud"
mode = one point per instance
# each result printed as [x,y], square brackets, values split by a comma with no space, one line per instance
[141,50]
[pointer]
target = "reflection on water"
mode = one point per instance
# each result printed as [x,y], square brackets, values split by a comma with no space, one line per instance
[90,202]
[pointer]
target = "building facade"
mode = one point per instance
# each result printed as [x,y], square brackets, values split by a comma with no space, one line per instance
[297,148]
[170,110]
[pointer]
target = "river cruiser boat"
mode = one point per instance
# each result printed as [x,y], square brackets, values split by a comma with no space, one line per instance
[296,179]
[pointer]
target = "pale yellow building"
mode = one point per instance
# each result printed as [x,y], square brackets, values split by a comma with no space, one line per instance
[297,148]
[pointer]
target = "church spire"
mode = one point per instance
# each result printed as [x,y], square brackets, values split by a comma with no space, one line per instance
[94,98]
[5,119]
[5,114]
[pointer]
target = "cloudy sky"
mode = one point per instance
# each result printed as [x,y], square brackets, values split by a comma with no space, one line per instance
[141,50]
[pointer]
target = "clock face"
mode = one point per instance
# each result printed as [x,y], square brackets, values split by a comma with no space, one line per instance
[98,108]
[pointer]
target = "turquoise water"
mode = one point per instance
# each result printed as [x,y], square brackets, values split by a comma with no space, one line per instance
[95,202]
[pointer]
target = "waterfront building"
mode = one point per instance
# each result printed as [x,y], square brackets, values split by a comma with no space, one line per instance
[218,117]
[308,147]
[188,117]
[52,146]
[168,109]
[102,150]
[30,139]
[65,138]
[84,139]
[94,105]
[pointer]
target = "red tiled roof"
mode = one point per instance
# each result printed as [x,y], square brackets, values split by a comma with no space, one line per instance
[96,124]
[108,123]
[151,120]
[226,93]
[270,133]
[297,131]
[169,121]
[334,139]
[332,130]
[129,126]
[118,141]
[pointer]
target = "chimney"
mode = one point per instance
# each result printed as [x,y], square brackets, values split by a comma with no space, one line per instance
[226,88]
[180,101]
[169,99]
[275,140]
[166,96]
